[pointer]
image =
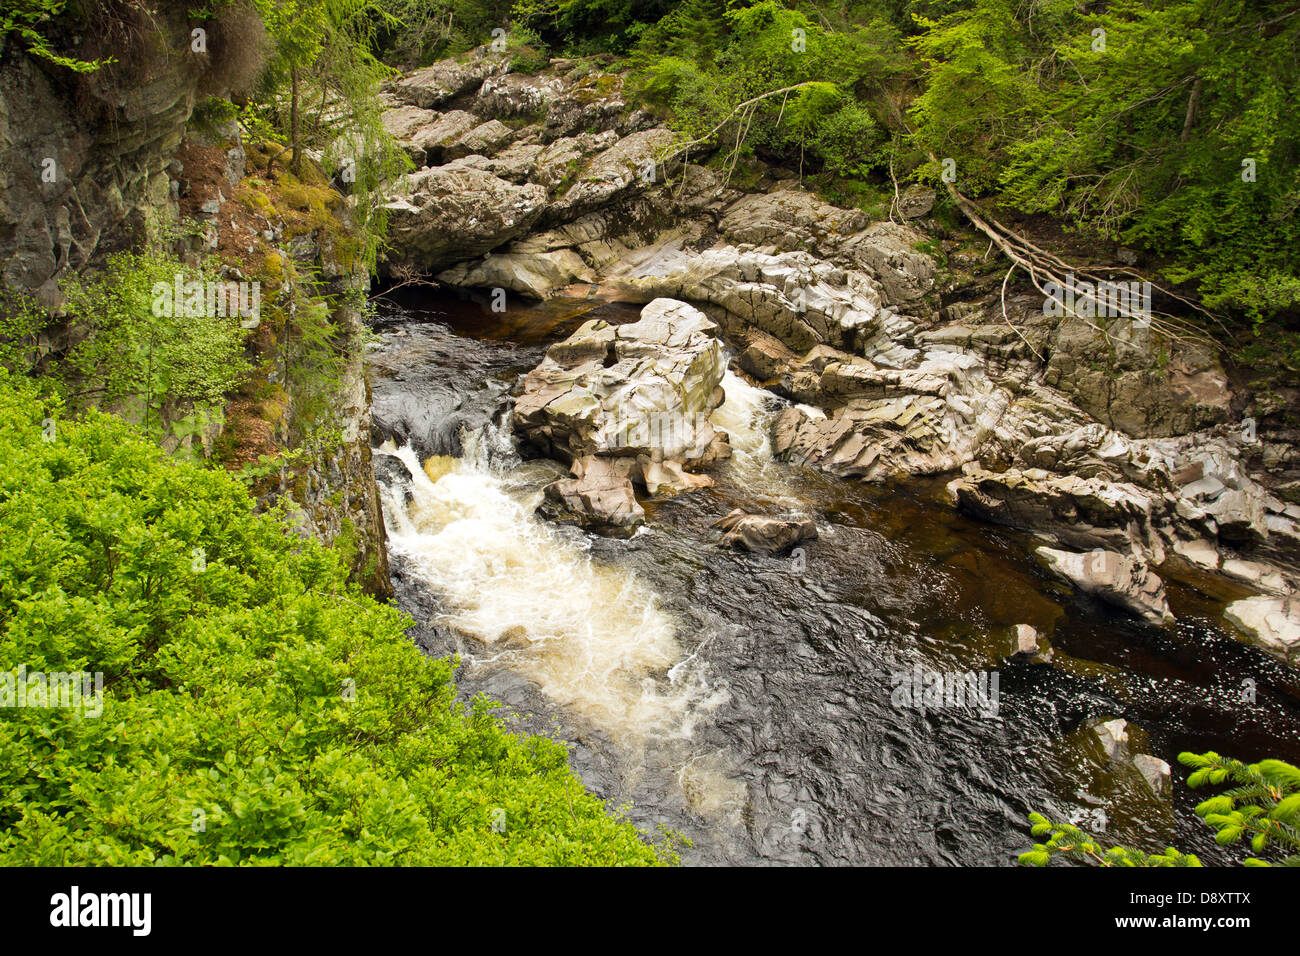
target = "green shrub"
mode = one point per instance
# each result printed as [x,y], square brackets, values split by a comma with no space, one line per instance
[256,709]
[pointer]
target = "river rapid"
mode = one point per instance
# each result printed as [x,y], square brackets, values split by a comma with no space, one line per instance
[758,705]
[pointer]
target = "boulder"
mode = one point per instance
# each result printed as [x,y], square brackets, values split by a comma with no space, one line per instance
[516,94]
[482,140]
[599,496]
[447,79]
[789,219]
[1270,622]
[643,390]
[634,161]
[594,104]
[1113,737]
[890,253]
[1156,773]
[392,473]
[916,201]
[762,534]
[534,274]
[456,212]
[430,145]
[1115,578]
[1029,646]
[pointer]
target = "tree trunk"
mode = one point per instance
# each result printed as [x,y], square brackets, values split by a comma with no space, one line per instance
[1193,106]
[296,162]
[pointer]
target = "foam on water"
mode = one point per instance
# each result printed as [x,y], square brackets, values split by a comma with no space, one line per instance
[593,638]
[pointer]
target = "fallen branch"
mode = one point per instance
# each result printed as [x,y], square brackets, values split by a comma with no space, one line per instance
[406,276]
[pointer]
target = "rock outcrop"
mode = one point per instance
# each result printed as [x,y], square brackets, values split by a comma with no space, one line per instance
[599,496]
[1094,433]
[627,403]
[643,390]
[86,164]
[1115,578]
[1272,623]
[458,211]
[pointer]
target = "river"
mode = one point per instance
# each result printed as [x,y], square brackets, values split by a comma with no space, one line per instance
[750,703]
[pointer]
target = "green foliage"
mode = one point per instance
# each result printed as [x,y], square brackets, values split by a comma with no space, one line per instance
[1134,119]
[701,61]
[143,346]
[256,709]
[1264,805]
[421,31]
[22,18]
[21,319]
[1067,840]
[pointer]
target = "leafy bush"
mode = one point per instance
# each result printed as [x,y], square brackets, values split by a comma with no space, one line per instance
[21,318]
[23,17]
[256,708]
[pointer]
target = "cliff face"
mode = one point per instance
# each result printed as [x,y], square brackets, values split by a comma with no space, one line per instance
[91,164]
[83,158]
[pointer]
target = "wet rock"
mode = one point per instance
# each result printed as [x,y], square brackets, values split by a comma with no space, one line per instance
[669,476]
[1084,512]
[392,473]
[764,535]
[1113,736]
[1156,773]
[765,356]
[1272,623]
[599,496]
[884,421]
[534,274]
[1115,578]
[1029,646]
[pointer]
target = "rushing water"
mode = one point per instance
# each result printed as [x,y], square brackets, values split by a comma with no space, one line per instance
[747,701]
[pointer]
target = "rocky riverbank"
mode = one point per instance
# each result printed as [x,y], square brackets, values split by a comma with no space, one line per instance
[1131,451]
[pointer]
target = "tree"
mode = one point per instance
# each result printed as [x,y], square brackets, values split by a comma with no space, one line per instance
[1160,123]
[1263,804]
